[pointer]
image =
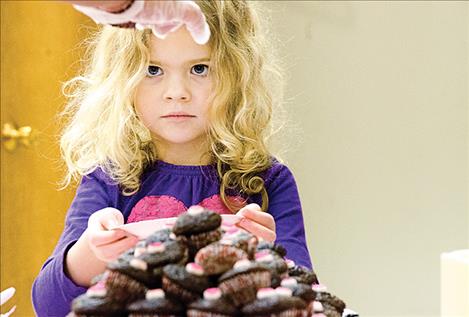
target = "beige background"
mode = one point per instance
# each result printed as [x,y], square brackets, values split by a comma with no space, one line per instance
[380,111]
[378,141]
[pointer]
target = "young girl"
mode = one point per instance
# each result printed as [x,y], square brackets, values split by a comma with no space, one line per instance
[157,125]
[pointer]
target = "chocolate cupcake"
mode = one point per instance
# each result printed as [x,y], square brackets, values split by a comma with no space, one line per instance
[213,304]
[199,227]
[241,239]
[159,254]
[275,303]
[128,277]
[302,274]
[303,291]
[185,283]
[217,257]
[277,248]
[155,304]
[330,303]
[161,235]
[277,265]
[97,302]
[241,283]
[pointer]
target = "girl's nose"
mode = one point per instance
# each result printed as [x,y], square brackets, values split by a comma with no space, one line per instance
[176,90]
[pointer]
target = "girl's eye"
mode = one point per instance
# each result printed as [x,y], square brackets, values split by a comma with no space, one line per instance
[200,70]
[153,71]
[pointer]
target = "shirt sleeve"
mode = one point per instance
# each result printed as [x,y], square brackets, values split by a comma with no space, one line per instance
[52,290]
[285,207]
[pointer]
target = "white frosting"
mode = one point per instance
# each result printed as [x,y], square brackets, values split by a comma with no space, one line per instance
[139,251]
[195,210]
[319,287]
[172,236]
[155,247]
[289,282]
[154,293]
[241,264]
[212,293]
[283,291]
[233,231]
[138,264]
[266,292]
[226,241]
[317,307]
[195,269]
[264,257]
[290,263]
[97,290]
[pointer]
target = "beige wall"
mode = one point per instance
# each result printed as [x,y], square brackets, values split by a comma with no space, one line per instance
[379,100]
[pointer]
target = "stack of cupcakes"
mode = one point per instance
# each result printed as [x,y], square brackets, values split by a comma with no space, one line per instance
[202,267]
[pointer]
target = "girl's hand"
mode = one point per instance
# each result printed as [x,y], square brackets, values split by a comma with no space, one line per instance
[107,244]
[259,223]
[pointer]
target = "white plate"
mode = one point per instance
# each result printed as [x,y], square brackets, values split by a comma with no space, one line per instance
[143,229]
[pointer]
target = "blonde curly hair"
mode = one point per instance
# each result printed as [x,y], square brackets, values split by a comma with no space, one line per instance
[103,129]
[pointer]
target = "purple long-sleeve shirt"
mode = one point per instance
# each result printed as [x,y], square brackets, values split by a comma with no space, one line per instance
[167,190]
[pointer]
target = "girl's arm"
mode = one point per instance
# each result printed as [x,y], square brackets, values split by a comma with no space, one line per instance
[53,290]
[97,246]
[285,207]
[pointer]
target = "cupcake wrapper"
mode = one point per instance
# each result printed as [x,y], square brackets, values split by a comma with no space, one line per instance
[198,313]
[242,289]
[310,308]
[178,292]
[124,288]
[196,242]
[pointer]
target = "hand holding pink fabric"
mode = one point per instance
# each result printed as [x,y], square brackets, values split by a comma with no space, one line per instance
[259,223]
[161,16]
[105,243]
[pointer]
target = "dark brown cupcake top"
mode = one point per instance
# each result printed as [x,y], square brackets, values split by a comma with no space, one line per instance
[327,299]
[272,246]
[97,302]
[213,302]
[272,260]
[270,301]
[157,254]
[180,275]
[155,302]
[304,291]
[196,220]
[242,267]
[303,275]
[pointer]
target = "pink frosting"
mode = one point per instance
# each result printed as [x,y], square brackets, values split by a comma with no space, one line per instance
[212,293]
[194,268]
[97,290]
[283,291]
[155,247]
[289,281]
[319,287]
[265,292]
[154,293]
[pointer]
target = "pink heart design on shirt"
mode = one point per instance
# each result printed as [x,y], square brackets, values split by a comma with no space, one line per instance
[164,206]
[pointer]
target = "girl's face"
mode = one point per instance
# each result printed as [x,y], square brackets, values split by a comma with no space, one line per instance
[173,99]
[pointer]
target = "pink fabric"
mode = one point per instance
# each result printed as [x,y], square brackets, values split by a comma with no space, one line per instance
[155,207]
